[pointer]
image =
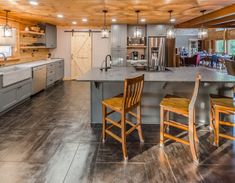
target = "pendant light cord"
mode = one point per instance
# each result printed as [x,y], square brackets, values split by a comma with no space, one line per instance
[7,11]
[105,12]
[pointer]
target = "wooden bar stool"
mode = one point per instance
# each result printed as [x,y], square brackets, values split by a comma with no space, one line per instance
[183,107]
[221,105]
[124,104]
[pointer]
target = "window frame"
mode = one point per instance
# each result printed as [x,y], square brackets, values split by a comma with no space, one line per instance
[229,46]
[216,47]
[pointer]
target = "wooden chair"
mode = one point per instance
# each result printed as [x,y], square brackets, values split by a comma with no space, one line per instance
[221,105]
[124,104]
[183,107]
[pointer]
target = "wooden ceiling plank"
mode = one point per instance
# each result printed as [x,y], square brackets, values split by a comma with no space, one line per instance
[219,21]
[221,13]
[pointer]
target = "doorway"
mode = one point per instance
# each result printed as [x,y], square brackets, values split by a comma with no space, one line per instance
[80,53]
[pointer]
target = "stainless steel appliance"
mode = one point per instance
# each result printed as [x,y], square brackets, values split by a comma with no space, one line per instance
[39,78]
[135,55]
[157,53]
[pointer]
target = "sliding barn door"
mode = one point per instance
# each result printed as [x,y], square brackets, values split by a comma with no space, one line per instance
[81,54]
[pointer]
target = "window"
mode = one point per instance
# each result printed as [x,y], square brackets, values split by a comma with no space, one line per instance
[231,47]
[219,29]
[219,47]
[7,50]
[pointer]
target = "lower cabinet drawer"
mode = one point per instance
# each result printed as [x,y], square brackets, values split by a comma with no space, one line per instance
[51,79]
[50,72]
[50,66]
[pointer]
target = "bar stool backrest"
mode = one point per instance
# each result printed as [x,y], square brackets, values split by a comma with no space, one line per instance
[194,97]
[133,89]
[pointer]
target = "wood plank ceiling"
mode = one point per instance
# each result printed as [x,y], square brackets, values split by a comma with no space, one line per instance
[154,11]
[222,18]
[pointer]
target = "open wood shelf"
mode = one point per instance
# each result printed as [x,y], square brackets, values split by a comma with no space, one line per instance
[136,47]
[32,47]
[32,32]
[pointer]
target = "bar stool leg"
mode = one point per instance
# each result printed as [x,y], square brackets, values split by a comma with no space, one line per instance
[211,117]
[167,117]
[216,130]
[139,121]
[123,132]
[104,111]
[161,126]
[192,141]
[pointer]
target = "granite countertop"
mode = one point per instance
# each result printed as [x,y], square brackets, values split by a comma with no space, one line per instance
[176,74]
[32,64]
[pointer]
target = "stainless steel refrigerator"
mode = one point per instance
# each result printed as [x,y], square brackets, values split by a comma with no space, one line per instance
[157,49]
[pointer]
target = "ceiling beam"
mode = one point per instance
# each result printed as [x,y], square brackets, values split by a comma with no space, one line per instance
[224,25]
[219,21]
[221,13]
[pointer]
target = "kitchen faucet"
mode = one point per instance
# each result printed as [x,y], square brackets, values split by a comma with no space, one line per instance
[106,63]
[4,58]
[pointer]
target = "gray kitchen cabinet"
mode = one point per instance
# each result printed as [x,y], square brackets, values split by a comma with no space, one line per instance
[55,72]
[119,42]
[24,91]
[14,94]
[118,36]
[59,70]
[8,98]
[50,38]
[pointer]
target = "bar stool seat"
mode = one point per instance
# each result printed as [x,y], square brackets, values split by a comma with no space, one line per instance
[114,103]
[176,104]
[221,105]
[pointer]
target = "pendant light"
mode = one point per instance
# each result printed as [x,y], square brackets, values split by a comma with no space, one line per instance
[170,34]
[138,32]
[7,30]
[105,31]
[203,32]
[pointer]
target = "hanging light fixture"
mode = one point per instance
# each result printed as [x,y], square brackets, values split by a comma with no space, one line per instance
[138,32]
[105,31]
[203,32]
[171,30]
[7,30]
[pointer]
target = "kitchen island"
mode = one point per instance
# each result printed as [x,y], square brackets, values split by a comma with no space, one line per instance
[177,81]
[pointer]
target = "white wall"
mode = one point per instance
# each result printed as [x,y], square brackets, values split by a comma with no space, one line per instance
[100,48]
[63,49]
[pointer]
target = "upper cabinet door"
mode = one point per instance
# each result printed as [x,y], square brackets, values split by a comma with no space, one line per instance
[119,36]
[51,36]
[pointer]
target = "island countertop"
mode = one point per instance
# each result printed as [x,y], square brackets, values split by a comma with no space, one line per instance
[176,74]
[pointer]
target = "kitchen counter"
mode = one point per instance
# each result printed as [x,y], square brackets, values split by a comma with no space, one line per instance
[177,81]
[176,74]
[32,64]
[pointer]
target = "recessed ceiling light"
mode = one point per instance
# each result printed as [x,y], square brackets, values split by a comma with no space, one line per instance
[60,16]
[142,19]
[114,20]
[34,3]
[13,2]
[74,22]
[84,20]
[173,20]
